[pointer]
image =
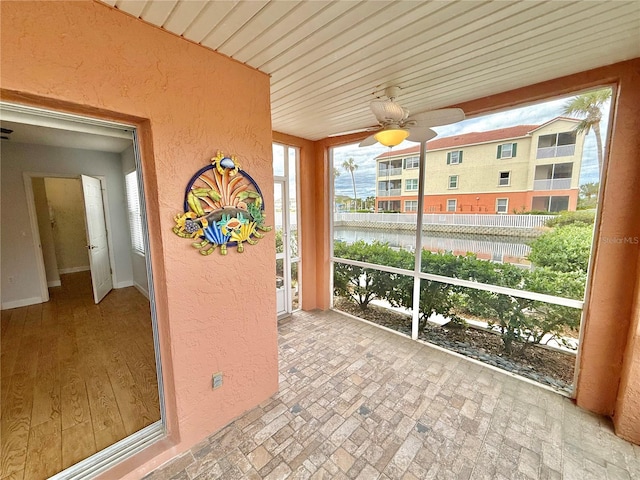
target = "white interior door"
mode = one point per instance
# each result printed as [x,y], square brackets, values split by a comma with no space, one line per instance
[96,238]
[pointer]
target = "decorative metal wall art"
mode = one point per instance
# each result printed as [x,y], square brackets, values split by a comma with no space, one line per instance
[223,207]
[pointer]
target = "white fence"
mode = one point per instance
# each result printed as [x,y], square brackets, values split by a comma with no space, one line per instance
[476,220]
[407,241]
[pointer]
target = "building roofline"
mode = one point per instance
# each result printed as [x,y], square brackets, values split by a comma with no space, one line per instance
[515,128]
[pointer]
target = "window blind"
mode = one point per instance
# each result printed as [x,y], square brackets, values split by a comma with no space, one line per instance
[133,207]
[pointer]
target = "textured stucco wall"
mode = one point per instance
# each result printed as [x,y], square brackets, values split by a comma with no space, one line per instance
[627,413]
[215,313]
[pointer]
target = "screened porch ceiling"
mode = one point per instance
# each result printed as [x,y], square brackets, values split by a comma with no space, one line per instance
[328,59]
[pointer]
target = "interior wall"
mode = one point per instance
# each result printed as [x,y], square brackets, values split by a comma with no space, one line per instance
[46,232]
[215,313]
[138,261]
[18,260]
[66,208]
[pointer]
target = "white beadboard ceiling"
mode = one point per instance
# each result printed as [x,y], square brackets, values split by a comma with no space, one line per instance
[328,59]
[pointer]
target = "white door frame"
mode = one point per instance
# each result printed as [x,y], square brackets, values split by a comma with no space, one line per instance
[140,440]
[285,256]
[33,220]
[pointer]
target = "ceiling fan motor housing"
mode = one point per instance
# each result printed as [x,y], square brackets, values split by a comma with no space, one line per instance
[388,111]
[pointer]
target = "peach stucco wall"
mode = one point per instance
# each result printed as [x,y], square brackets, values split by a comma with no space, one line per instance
[215,313]
[627,413]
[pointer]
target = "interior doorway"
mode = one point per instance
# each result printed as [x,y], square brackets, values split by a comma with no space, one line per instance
[81,373]
[285,193]
[71,231]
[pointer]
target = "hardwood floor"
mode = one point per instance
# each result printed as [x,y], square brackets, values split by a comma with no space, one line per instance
[76,377]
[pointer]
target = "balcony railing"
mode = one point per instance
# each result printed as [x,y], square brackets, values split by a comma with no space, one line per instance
[389,172]
[557,151]
[552,184]
[392,192]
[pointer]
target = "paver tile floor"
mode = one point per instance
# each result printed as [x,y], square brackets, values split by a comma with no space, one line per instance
[358,402]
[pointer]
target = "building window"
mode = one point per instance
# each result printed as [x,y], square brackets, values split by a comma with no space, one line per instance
[411,184]
[550,204]
[555,176]
[452,205]
[133,207]
[411,162]
[502,205]
[453,158]
[504,179]
[410,205]
[507,150]
[453,181]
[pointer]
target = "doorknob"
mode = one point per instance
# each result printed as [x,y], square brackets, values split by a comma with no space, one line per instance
[91,247]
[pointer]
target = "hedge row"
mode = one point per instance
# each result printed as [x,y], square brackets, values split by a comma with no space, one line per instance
[519,321]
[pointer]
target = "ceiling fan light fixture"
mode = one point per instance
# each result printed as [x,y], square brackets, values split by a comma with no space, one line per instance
[391,137]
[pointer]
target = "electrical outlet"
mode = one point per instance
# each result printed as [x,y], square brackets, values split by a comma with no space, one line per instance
[216,380]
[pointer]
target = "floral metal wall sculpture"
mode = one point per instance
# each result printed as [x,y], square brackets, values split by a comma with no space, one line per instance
[223,207]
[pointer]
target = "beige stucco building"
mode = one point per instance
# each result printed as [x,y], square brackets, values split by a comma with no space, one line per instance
[520,168]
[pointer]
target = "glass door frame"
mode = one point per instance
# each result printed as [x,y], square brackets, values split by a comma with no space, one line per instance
[286,174]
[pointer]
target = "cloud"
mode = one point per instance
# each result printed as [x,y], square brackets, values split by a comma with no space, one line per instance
[365,175]
[537,114]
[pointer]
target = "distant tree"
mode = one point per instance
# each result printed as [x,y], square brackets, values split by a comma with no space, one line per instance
[336,173]
[588,196]
[369,202]
[589,105]
[589,190]
[350,166]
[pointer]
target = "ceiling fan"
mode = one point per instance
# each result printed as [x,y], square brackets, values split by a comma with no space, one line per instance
[395,124]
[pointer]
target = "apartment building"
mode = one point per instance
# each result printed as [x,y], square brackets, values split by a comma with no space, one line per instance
[520,168]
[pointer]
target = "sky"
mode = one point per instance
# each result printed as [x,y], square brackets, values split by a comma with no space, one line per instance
[537,114]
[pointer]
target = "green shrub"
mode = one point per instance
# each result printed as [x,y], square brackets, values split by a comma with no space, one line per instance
[520,321]
[580,217]
[365,284]
[564,249]
[532,212]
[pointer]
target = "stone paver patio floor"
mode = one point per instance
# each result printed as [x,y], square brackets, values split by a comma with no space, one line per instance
[358,402]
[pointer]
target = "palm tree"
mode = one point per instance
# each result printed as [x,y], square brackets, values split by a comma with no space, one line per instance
[589,105]
[350,166]
[589,190]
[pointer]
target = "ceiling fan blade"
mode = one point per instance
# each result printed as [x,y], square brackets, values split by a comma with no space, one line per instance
[433,118]
[421,134]
[370,140]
